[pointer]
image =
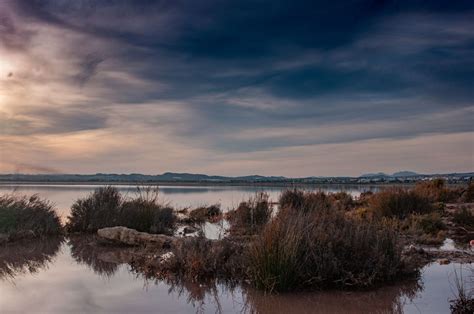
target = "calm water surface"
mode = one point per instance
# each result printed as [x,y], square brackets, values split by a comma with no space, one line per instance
[178,196]
[71,277]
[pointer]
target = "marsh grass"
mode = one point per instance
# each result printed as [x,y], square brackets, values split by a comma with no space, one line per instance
[464,218]
[27,216]
[251,215]
[212,213]
[98,210]
[399,203]
[299,250]
[427,229]
[464,302]
[437,191]
[106,207]
[308,201]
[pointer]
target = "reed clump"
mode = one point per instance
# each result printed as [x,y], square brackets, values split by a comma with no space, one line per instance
[250,216]
[437,191]
[319,249]
[27,216]
[107,207]
[399,203]
[308,201]
[464,218]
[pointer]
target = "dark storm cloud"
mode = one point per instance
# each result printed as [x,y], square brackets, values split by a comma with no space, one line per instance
[313,62]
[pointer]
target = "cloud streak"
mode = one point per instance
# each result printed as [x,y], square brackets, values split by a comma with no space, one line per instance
[164,86]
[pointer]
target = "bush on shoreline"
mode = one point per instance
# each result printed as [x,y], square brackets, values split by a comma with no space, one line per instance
[299,250]
[308,201]
[399,203]
[106,207]
[98,210]
[437,191]
[24,217]
[251,215]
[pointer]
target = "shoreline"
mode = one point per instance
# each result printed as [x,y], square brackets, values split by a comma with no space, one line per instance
[198,183]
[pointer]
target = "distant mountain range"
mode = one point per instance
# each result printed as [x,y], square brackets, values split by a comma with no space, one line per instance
[396,174]
[172,177]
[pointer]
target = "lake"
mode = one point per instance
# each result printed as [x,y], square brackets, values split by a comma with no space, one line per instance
[70,277]
[229,197]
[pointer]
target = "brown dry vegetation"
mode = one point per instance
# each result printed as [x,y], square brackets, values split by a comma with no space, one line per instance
[250,216]
[315,240]
[437,191]
[202,214]
[322,249]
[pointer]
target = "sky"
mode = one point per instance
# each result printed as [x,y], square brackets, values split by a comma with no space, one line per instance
[292,88]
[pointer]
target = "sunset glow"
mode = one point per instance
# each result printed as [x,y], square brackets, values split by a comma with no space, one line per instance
[139,87]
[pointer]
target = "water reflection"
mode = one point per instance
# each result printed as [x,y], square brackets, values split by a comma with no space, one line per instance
[385,300]
[27,256]
[84,250]
[98,278]
[178,196]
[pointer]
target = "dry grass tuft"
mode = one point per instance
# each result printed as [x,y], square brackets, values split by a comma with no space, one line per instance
[251,215]
[27,216]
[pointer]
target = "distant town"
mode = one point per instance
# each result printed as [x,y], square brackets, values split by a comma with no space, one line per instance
[402,177]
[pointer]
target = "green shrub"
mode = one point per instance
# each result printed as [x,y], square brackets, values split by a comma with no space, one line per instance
[23,216]
[106,207]
[323,249]
[98,210]
[147,216]
[399,203]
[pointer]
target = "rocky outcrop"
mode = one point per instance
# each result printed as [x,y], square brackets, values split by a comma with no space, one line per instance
[128,236]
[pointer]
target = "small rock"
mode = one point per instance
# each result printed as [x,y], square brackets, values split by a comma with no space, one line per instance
[166,256]
[189,229]
[444,261]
